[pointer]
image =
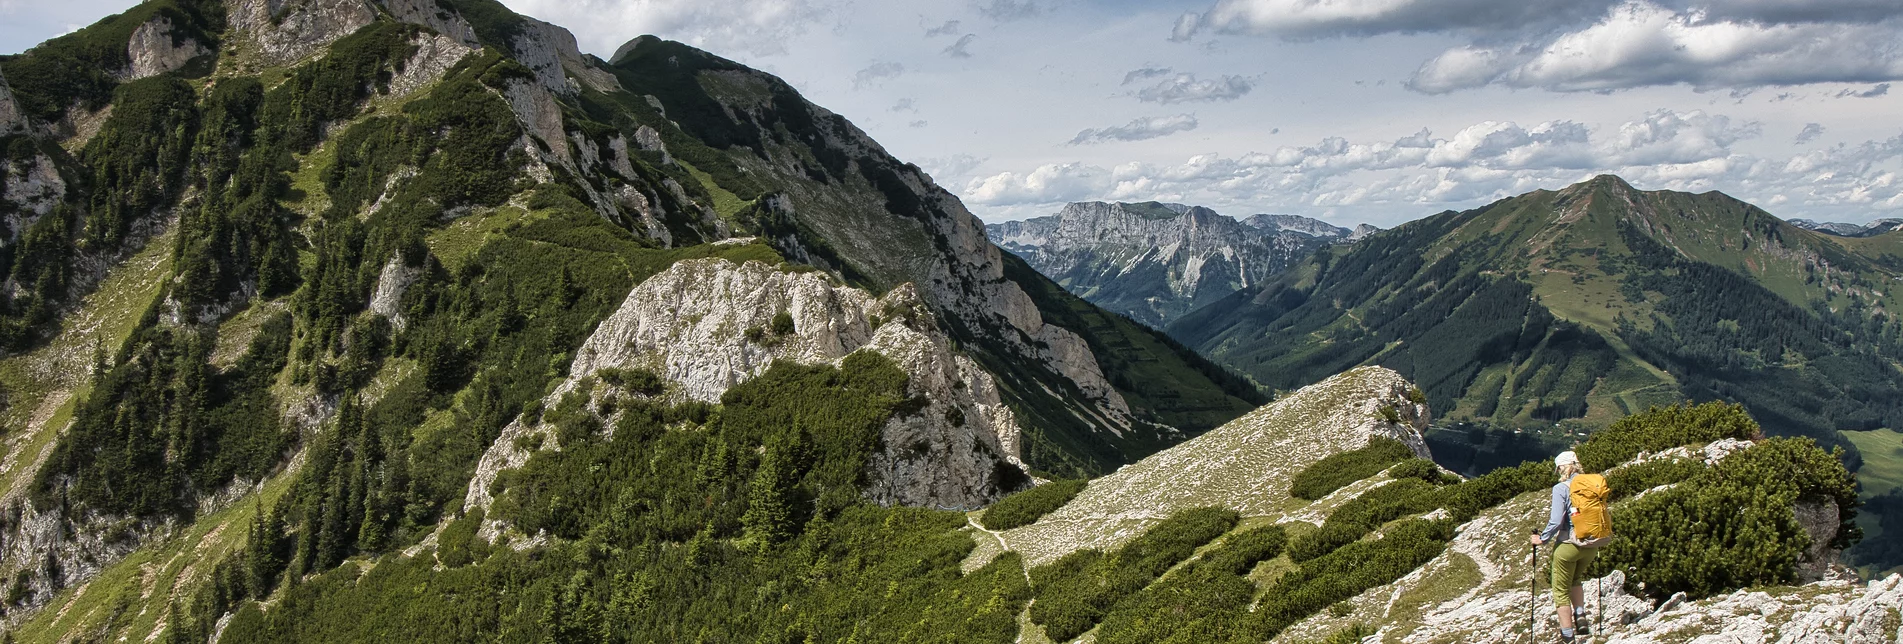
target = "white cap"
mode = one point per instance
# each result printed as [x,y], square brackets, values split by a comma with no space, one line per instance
[1566,458]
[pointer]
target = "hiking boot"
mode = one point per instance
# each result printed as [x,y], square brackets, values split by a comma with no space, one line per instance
[1564,639]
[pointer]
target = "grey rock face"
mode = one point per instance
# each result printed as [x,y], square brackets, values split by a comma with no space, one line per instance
[11,120]
[1299,224]
[283,37]
[703,325]
[153,50]
[1820,520]
[1155,262]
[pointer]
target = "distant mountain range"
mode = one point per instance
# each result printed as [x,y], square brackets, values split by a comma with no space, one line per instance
[1590,302]
[1155,261]
[1871,229]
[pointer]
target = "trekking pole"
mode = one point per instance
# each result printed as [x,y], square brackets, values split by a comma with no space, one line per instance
[1599,623]
[1533,593]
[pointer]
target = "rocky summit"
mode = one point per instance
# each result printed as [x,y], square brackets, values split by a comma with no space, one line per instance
[1154,261]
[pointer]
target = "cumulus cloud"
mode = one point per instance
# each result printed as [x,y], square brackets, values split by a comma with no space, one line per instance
[951,167]
[876,73]
[949,28]
[1049,183]
[917,124]
[1309,19]
[904,105]
[757,27]
[1186,88]
[1643,44]
[1679,150]
[1600,45]
[960,49]
[1144,73]
[1148,127]
[1810,133]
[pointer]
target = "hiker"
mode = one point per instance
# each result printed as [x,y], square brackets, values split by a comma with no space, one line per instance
[1579,512]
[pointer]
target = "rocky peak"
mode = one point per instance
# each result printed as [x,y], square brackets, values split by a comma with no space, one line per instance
[708,325]
[1840,229]
[1306,226]
[1154,261]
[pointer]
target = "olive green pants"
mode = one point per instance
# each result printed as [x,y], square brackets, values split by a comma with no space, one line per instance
[1569,569]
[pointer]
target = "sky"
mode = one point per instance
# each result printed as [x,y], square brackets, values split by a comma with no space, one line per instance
[1351,111]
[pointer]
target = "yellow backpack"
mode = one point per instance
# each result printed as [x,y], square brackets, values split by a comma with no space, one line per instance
[1590,497]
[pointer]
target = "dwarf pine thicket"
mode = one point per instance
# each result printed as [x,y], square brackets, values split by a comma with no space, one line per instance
[1336,470]
[1026,507]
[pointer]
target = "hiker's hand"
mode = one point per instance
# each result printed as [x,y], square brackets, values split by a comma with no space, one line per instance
[1535,539]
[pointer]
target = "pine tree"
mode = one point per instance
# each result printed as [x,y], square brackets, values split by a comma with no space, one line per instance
[769,517]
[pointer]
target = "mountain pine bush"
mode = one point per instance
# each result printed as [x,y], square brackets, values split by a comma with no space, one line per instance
[1208,597]
[1336,470]
[1025,508]
[1731,525]
[1077,591]
[1662,428]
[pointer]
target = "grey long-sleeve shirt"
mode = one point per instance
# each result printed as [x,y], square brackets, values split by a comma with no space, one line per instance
[1560,517]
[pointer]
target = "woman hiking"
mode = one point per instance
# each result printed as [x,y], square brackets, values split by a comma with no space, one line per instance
[1579,514]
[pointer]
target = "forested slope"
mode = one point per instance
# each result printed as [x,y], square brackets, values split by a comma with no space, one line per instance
[280,278]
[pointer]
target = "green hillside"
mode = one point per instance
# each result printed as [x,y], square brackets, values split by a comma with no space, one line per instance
[1587,303]
[1560,311]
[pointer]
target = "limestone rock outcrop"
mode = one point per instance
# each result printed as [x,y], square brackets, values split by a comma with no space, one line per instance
[155,50]
[706,326]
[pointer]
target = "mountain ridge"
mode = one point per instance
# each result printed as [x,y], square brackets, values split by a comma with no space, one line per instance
[373,240]
[1155,261]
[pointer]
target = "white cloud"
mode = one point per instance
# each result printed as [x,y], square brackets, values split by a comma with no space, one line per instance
[1601,45]
[1668,149]
[1307,19]
[904,105]
[1641,43]
[1148,127]
[951,168]
[1049,183]
[877,73]
[757,27]
[1186,88]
